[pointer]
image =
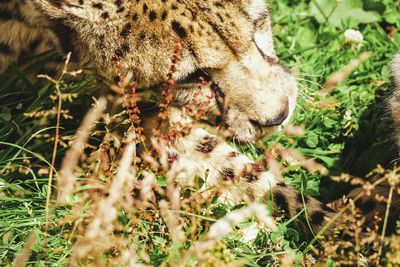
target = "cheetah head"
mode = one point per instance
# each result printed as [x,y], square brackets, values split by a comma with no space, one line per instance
[229,41]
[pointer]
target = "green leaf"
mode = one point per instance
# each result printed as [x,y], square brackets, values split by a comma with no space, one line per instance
[328,122]
[5,114]
[162,181]
[348,13]
[312,140]
[392,16]
[159,240]
[305,37]
[330,263]
[374,5]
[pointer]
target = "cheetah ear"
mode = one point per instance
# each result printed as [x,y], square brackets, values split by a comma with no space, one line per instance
[256,8]
[258,12]
[62,9]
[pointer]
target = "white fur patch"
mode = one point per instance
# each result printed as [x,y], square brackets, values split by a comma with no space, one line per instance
[256,8]
[192,162]
[266,182]
[84,13]
[265,43]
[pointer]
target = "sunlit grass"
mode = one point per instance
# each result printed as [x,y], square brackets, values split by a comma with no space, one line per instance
[347,132]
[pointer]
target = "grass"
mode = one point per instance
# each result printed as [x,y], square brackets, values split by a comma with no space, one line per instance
[347,131]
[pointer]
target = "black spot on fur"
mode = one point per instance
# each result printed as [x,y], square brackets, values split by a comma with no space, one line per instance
[178,29]
[145,8]
[300,198]
[97,5]
[152,16]
[227,174]
[125,48]
[5,49]
[281,201]
[219,96]
[281,184]
[105,15]
[251,177]
[119,52]
[233,154]
[121,9]
[126,30]
[117,79]
[251,172]
[317,218]
[35,43]
[6,14]
[207,145]
[164,15]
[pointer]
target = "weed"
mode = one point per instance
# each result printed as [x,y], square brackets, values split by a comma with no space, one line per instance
[341,130]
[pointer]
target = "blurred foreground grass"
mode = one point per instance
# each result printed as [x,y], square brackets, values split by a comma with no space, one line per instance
[348,132]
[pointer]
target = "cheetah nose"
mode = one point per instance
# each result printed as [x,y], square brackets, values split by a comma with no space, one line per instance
[281,116]
[278,119]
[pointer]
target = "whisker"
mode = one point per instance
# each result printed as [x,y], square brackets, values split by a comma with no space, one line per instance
[311,74]
[304,95]
[301,108]
[234,142]
[312,82]
[307,90]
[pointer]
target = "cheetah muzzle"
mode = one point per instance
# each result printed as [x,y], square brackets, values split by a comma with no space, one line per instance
[236,53]
[228,43]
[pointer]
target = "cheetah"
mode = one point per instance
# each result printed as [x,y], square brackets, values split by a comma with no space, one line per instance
[229,43]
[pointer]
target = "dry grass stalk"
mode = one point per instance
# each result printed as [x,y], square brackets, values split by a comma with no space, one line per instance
[102,224]
[362,240]
[292,157]
[129,258]
[67,178]
[172,221]
[99,232]
[23,257]
[338,77]
[57,84]
[146,190]
[225,225]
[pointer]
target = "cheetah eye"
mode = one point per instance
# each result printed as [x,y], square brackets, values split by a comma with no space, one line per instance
[195,76]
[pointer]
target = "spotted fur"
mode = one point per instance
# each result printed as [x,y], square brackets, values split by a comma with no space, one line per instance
[25,31]
[229,42]
[205,155]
